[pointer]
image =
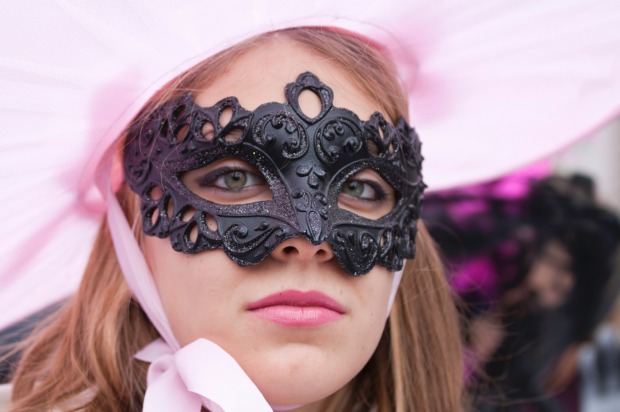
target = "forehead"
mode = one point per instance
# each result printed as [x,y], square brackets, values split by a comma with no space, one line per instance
[259,76]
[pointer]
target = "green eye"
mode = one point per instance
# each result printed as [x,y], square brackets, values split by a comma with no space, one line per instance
[362,190]
[232,179]
[235,180]
[353,188]
[228,181]
[367,194]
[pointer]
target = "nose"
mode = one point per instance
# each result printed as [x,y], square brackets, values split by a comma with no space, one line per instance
[300,248]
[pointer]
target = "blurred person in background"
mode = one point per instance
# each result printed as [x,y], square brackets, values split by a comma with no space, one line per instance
[535,263]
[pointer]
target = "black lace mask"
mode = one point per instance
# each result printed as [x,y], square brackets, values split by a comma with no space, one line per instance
[304,161]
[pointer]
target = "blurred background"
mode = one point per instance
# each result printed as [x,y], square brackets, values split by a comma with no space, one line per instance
[534,260]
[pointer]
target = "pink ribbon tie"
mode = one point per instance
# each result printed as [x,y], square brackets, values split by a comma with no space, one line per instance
[199,374]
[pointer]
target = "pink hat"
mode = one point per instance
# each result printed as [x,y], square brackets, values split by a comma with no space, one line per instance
[493,86]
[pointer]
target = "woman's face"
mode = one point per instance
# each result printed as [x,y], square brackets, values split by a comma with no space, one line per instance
[297,323]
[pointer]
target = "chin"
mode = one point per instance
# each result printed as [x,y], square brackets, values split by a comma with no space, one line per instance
[301,378]
[298,392]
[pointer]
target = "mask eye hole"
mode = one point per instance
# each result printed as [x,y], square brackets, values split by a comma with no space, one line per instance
[208,131]
[228,181]
[225,116]
[367,194]
[181,134]
[155,193]
[234,135]
[188,214]
[309,103]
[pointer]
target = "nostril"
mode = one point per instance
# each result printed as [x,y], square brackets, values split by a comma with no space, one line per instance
[299,248]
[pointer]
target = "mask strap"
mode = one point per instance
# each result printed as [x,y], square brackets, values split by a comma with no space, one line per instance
[136,271]
[398,275]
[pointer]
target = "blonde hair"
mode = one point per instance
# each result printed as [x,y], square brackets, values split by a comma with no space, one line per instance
[86,352]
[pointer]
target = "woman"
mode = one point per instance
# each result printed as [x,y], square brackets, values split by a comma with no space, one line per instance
[305,318]
[296,320]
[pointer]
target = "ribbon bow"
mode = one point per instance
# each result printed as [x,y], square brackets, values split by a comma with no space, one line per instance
[199,374]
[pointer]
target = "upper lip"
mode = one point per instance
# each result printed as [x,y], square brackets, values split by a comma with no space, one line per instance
[297,298]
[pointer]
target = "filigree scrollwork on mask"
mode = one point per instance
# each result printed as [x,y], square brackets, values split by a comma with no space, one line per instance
[384,140]
[355,249]
[137,169]
[191,236]
[156,220]
[207,125]
[412,150]
[268,129]
[313,172]
[245,246]
[391,256]
[407,230]
[336,137]
[315,208]
[308,81]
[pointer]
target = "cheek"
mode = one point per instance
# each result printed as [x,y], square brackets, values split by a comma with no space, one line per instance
[190,289]
[374,293]
[374,289]
[360,343]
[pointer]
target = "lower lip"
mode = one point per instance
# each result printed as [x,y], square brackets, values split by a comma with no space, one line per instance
[298,316]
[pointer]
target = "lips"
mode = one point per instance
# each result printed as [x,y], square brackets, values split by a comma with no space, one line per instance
[297,309]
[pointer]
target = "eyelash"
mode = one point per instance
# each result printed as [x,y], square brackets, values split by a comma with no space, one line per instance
[379,191]
[211,178]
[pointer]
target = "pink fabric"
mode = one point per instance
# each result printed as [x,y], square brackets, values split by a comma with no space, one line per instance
[200,373]
[137,273]
[493,85]
[395,284]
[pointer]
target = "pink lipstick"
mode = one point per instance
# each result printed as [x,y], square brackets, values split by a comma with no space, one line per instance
[297,309]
